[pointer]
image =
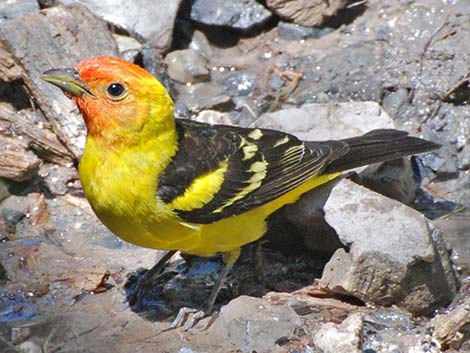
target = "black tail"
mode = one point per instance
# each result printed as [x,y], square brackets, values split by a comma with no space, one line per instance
[378,146]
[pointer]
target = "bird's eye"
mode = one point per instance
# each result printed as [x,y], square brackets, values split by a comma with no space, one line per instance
[116,90]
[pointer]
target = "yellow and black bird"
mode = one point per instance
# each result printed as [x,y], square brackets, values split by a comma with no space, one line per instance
[172,184]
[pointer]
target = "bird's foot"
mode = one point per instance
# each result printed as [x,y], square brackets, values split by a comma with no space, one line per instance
[189,317]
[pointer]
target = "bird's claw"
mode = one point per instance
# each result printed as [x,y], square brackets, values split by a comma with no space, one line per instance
[188,318]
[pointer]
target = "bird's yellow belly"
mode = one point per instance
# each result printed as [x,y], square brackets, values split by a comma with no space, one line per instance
[197,239]
[202,239]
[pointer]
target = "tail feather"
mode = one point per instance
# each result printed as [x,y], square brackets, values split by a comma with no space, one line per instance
[378,146]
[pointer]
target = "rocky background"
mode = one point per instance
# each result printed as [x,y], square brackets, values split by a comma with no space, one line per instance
[375,262]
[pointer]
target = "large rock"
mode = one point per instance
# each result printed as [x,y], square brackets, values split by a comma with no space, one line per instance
[323,122]
[254,323]
[306,12]
[147,20]
[16,8]
[202,96]
[62,36]
[154,63]
[187,66]
[396,179]
[129,47]
[392,257]
[213,117]
[328,121]
[238,14]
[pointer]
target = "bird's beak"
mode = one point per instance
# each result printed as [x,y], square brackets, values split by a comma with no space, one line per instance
[68,80]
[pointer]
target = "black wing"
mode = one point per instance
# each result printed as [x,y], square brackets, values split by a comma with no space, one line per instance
[261,165]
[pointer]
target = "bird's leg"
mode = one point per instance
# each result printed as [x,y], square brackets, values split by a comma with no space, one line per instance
[257,257]
[151,274]
[188,316]
[229,259]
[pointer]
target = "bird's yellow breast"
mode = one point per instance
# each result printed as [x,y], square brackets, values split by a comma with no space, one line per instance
[121,185]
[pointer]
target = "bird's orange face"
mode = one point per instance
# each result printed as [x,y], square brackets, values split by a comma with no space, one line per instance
[115,97]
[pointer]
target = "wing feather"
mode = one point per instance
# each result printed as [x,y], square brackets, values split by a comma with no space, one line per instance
[261,165]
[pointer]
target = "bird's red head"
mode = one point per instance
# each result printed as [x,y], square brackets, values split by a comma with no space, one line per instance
[117,98]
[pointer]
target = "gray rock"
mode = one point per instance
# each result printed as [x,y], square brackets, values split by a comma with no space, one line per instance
[464,160]
[181,110]
[213,117]
[446,265]
[389,319]
[392,257]
[292,31]
[327,121]
[202,96]
[254,323]
[16,8]
[200,42]
[354,76]
[239,84]
[128,47]
[395,179]
[12,216]
[306,12]
[445,167]
[20,334]
[276,83]
[154,63]
[460,142]
[394,100]
[246,111]
[238,14]
[342,338]
[16,203]
[187,66]
[57,178]
[29,347]
[149,20]
[7,229]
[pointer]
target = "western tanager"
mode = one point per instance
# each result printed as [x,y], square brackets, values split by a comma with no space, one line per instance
[174,184]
